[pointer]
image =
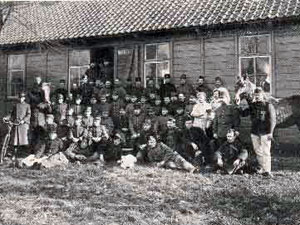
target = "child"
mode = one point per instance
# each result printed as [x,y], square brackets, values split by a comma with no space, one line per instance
[88,119]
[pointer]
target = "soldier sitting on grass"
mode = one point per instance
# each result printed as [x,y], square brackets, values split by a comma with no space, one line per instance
[163,156]
[78,141]
[231,155]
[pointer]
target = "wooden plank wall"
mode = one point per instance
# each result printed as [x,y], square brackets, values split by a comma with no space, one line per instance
[36,65]
[187,56]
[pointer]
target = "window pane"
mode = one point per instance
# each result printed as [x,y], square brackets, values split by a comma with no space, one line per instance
[263,69]
[150,52]
[162,69]
[263,44]
[248,45]
[163,51]
[126,64]
[16,82]
[16,62]
[150,70]
[247,67]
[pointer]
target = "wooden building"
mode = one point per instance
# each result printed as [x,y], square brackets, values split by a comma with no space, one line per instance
[58,40]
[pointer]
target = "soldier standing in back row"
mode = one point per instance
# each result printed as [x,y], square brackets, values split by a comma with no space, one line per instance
[167,88]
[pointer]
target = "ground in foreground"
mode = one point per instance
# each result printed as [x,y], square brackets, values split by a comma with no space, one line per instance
[86,194]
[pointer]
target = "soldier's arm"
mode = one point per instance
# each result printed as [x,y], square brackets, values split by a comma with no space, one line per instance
[28,115]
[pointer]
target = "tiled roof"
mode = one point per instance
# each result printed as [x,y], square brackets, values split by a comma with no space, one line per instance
[40,21]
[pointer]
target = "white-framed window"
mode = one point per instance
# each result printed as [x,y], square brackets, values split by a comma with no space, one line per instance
[255,58]
[16,75]
[79,63]
[157,60]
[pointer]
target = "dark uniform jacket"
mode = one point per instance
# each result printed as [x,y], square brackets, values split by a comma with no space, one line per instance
[167,90]
[204,88]
[263,117]
[160,152]
[108,123]
[136,123]
[227,117]
[171,137]
[229,152]
[186,89]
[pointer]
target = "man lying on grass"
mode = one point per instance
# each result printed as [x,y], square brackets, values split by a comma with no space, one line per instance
[163,156]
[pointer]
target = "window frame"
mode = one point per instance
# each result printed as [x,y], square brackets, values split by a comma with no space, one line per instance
[254,56]
[10,70]
[156,60]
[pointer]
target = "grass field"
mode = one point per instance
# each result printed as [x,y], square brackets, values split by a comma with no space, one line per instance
[87,194]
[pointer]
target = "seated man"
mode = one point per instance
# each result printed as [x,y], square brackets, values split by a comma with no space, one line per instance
[51,146]
[77,136]
[163,156]
[231,156]
[98,135]
[113,152]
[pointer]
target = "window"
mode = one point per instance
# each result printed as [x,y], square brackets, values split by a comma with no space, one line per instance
[157,60]
[255,58]
[16,75]
[79,61]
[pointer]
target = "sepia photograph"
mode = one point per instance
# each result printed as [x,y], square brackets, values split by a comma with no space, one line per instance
[150,112]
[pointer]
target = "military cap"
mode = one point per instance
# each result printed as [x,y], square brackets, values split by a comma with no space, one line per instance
[115,93]
[98,118]
[183,76]
[171,119]
[93,96]
[137,105]
[62,81]
[50,116]
[22,94]
[138,79]
[60,96]
[201,77]
[167,76]
[218,79]
[79,117]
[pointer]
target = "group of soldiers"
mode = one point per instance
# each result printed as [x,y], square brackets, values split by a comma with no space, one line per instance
[178,127]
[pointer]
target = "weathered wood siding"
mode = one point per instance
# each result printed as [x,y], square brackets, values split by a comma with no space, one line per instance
[36,65]
[187,59]
[57,66]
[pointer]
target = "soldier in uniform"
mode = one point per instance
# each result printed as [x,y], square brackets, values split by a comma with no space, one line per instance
[184,87]
[130,106]
[167,103]
[104,105]
[190,105]
[98,136]
[123,128]
[138,89]
[135,124]
[88,119]
[106,90]
[231,155]
[85,89]
[203,87]
[61,90]
[151,88]
[78,107]
[113,152]
[194,144]
[157,106]
[107,122]
[52,145]
[60,109]
[119,89]
[199,111]
[180,117]
[20,114]
[263,118]
[163,156]
[162,120]
[167,88]
[171,136]
[78,141]
[116,105]
[36,94]
[96,109]
[226,117]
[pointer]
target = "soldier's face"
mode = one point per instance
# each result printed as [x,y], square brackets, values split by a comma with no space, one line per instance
[259,97]
[152,96]
[189,124]
[137,111]
[167,80]
[230,137]
[117,141]
[52,136]
[152,142]
[78,101]
[122,112]
[22,99]
[93,101]
[115,97]
[200,81]
[218,83]
[133,99]
[97,122]
[157,102]
[143,100]
[216,95]
[167,100]
[181,97]
[146,126]
[60,100]
[164,112]
[170,124]
[49,120]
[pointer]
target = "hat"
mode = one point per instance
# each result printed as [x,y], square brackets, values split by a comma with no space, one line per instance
[201,77]
[183,76]
[138,79]
[115,93]
[218,78]
[167,76]
[79,117]
[97,118]
[93,96]
[50,116]
[137,106]
[62,81]
[22,94]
